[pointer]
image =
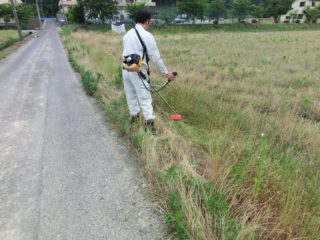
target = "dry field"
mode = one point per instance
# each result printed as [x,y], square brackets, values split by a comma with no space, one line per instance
[251,107]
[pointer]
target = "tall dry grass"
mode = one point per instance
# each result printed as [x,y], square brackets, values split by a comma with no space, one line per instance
[251,111]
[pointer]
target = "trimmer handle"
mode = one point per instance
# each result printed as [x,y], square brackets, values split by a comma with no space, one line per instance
[174,73]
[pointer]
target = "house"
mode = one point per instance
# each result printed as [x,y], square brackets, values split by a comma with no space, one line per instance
[122,4]
[165,3]
[8,1]
[296,12]
[64,5]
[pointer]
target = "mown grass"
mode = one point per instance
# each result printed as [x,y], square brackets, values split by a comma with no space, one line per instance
[244,162]
[8,38]
[6,35]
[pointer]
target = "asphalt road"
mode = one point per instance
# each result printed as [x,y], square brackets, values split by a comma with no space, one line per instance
[64,173]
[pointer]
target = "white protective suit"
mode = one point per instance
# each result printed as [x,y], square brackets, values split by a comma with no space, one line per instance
[136,93]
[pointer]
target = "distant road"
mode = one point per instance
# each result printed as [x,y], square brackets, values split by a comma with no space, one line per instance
[64,174]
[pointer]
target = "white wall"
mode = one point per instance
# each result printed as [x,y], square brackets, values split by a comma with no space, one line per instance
[296,8]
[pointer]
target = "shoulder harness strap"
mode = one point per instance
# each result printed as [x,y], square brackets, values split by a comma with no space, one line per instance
[145,52]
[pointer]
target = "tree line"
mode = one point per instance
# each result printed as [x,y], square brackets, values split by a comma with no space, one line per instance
[24,12]
[48,8]
[192,9]
[27,9]
[240,9]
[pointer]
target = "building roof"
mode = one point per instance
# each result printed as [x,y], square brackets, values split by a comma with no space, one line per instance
[8,1]
[150,4]
[67,3]
[121,3]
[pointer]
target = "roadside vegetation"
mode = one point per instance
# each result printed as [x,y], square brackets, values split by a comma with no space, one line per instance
[195,11]
[244,161]
[24,12]
[6,35]
[209,28]
[7,39]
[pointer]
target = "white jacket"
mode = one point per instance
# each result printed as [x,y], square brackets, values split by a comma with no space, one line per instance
[132,45]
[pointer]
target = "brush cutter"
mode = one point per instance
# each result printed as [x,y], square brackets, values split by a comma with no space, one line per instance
[157,88]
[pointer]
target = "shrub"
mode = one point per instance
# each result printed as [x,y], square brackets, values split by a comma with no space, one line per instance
[76,14]
[134,8]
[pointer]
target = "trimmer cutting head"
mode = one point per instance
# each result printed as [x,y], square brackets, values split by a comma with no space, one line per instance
[175,117]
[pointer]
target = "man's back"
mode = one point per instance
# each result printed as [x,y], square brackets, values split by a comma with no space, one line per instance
[136,87]
[132,44]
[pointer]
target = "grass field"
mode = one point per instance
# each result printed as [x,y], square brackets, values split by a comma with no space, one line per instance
[244,163]
[207,28]
[7,38]
[6,35]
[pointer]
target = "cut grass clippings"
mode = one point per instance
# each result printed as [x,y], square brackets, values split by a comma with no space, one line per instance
[243,164]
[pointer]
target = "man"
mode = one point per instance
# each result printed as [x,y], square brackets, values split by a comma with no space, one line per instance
[136,85]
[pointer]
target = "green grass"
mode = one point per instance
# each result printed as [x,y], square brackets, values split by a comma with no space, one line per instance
[250,108]
[100,28]
[6,35]
[232,27]
[8,43]
[226,113]
[205,28]
[7,39]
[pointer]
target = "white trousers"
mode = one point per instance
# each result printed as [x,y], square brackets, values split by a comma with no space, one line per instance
[137,95]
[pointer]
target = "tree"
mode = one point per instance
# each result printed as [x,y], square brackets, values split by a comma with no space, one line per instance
[216,9]
[76,14]
[47,7]
[278,7]
[7,19]
[241,9]
[259,11]
[24,12]
[312,14]
[134,8]
[294,14]
[103,9]
[6,12]
[193,8]
[167,15]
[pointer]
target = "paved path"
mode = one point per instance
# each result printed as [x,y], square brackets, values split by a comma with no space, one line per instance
[64,174]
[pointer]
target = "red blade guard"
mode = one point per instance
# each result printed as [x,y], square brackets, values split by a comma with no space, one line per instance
[175,117]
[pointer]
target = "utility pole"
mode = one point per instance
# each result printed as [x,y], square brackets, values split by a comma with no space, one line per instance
[63,13]
[38,13]
[16,19]
[41,7]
